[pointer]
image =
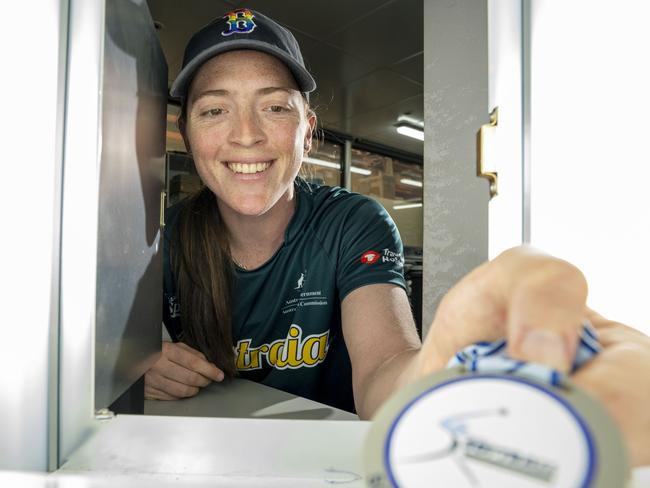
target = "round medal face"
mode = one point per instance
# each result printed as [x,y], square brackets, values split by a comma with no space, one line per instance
[485,430]
[509,438]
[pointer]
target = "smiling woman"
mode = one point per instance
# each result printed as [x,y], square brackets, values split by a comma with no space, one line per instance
[265,273]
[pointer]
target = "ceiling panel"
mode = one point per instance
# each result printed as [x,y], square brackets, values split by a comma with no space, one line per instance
[318,19]
[412,68]
[375,90]
[329,65]
[332,69]
[389,35]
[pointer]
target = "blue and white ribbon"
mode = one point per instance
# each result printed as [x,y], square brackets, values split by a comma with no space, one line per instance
[491,357]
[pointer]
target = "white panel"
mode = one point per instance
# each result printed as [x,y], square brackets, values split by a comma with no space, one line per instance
[504,145]
[33,89]
[589,146]
[270,449]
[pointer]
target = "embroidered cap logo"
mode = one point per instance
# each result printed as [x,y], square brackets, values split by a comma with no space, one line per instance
[239,21]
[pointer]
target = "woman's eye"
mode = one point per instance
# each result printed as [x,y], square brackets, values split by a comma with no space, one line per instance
[278,108]
[213,112]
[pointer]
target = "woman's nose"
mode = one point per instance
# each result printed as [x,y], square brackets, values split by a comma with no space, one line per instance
[246,130]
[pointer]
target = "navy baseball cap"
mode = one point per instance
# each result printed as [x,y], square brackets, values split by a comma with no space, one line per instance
[242,29]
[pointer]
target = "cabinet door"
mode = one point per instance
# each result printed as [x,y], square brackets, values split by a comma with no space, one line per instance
[589,159]
[131,178]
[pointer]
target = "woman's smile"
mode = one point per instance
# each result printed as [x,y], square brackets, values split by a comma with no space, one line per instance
[249,170]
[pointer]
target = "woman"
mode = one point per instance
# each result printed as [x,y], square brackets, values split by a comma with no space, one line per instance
[301,287]
[314,271]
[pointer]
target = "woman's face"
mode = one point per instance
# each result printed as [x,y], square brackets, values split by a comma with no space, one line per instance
[247,127]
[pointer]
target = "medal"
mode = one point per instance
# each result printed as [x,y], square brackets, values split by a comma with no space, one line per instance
[490,421]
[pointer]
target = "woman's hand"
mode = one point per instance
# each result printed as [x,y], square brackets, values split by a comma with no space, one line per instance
[620,378]
[180,372]
[538,303]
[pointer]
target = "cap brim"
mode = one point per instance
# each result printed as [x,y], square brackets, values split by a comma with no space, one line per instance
[179,88]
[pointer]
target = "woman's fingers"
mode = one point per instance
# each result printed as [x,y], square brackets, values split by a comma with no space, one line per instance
[191,359]
[180,372]
[171,388]
[153,393]
[534,300]
[620,378]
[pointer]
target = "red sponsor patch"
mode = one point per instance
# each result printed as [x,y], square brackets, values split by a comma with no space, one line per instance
[369,257]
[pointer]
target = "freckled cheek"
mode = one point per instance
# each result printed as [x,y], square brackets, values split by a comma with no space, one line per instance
[289,141]
[205,147]
[292,146]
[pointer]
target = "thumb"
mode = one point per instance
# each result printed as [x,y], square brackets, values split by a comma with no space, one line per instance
[546,309]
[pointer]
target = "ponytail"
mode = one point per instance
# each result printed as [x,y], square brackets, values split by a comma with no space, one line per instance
[202,266]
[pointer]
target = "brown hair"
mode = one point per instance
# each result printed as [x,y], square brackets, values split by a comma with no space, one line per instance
[203,269]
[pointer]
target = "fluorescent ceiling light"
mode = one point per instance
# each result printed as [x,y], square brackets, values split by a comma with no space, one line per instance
[410,182]
[321,162]
[410,131]
[407,205]
[330,164]
[361,171]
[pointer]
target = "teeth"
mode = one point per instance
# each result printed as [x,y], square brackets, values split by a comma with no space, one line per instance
[248,168]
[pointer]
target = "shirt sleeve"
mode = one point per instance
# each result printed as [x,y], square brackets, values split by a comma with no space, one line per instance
[370,250]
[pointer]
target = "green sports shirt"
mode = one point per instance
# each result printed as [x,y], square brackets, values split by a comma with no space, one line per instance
[287,313]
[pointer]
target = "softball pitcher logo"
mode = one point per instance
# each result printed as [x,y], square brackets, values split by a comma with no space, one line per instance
[239,21]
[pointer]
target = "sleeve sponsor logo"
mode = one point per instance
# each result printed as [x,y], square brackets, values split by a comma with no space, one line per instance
[291,352]
[389,256]
[386,256]
[370,257]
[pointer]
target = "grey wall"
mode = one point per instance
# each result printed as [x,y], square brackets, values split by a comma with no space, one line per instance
[455,106]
